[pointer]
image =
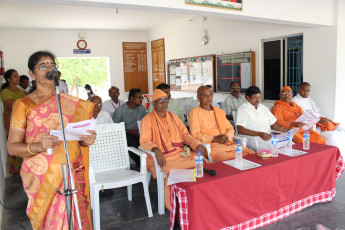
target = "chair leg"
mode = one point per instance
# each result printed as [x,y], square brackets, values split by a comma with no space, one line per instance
[129,192]
[147,198]
[96,210]
[148,178]
[160,188]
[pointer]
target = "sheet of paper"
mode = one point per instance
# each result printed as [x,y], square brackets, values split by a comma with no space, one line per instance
[294,152]
[309,118]
[74,130]
[178,71]
[282,137]
[244,166]
[180,175]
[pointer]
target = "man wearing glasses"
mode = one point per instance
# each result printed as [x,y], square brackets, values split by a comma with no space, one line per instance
[174,105]
[234,100]
[130,113]
[287,112]
[163,133]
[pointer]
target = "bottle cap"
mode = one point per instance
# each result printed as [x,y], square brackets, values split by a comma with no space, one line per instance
[198,152]
[289,133]
[238,142]
[306,130]
[274,136]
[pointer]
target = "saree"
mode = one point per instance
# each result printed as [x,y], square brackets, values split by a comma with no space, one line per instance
[41,173]
[14,162]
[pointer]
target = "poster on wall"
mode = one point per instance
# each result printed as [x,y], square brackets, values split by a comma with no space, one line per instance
[158,62]
[221,4]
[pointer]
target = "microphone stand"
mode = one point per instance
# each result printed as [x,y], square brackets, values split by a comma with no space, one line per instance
[68,191]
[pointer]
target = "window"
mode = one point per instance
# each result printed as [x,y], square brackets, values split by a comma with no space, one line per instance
[80,71]
[283,65]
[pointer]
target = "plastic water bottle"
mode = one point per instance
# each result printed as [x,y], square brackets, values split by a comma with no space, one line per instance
[306,140]
[274,146]
[199,171]
[238,156]
[288,147]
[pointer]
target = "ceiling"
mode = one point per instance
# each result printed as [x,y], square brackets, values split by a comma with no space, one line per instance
[46,16]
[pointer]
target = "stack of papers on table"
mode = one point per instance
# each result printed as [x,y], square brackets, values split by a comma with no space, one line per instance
[294,152]
[180,175]
[245,164]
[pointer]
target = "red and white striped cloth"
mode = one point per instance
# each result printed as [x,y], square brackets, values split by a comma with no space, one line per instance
[268,218]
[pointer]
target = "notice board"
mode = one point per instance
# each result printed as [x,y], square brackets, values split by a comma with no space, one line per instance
[158,62]
[238,67]
[135,65]
[187,74]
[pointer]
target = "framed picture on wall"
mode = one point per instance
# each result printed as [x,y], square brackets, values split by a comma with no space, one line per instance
[222,4]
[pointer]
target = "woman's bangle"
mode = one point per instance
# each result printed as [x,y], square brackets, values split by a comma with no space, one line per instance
[28,148]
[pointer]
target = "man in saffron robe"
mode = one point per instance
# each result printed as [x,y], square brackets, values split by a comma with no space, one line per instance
[209,125]
[163,133]
[287,112]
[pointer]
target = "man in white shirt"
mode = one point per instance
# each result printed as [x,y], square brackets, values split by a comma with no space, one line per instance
[24,83]
[111,105]
[329,130]
[234,100]
[255,119]
[102,117]
[62,84]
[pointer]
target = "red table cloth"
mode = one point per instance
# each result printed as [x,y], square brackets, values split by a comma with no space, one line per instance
[235,199]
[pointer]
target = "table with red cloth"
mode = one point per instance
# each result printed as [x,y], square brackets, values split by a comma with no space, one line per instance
[249,199]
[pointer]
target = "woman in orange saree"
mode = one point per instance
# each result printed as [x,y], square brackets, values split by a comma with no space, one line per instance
[32,118]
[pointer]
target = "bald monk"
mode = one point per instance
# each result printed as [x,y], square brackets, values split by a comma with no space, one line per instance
[163,133]
[209,125]
[302,99]
[287,112]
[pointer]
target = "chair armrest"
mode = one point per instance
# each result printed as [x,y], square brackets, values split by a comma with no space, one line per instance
[158,168]
[143,156]
[243,139]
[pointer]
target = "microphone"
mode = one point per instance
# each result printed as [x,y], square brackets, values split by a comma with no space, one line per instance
[211,172]
[50,74]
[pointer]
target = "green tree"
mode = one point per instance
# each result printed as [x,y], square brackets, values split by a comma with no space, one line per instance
[91,71]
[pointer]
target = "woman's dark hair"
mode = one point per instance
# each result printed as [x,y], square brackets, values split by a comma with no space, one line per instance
[7,75]
[252,90]
[33,60]
[35,57]
[133,92]
[89,87]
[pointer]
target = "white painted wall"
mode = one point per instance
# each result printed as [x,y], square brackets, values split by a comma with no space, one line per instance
[19,44]
[280,11]
[182,39]
[340,68]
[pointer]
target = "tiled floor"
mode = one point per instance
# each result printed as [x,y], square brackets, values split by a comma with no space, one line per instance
[118,213]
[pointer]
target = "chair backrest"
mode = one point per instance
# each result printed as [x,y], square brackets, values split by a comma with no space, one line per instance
[110,150]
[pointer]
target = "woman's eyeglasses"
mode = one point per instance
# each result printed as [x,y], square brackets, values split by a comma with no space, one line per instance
[46,67]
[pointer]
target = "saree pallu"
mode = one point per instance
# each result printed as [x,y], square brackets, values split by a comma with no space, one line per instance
[41,173]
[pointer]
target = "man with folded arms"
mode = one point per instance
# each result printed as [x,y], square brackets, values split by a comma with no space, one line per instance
[287,112]
[173,106]
[234,100]
[209,125]
[163,133]
[254,118]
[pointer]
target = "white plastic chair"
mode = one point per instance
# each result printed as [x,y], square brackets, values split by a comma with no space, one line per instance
[109,166]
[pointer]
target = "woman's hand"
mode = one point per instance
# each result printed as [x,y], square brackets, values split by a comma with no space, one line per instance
[48,141]
[87,140]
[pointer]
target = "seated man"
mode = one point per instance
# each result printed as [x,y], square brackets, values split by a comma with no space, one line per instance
[234,100]
[254,118]
[163,133]
[173,106]
[209,125]
[130,113]
[287,112]
[102,117]
[111,105]
[302,99]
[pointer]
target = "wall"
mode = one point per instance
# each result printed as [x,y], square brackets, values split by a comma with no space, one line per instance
[18,45]
[182,39]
